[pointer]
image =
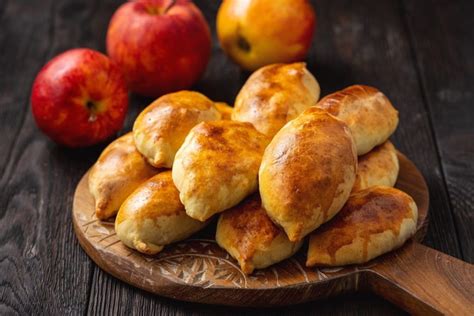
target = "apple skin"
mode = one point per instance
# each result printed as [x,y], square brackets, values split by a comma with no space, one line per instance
[161,46]
[79,98]
[255,33]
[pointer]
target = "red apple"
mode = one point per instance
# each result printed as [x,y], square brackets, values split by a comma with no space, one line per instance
[79,98]
[160,45]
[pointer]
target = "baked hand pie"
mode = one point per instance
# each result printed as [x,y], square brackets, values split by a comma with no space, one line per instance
[307,172]
[248,234]
[373,221]
[153,217]
[161,127]
[378,167]
[224,109]
[119,170]
[274,95]
[217,166]
[368,113]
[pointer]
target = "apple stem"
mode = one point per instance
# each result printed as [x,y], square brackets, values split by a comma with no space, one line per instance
[172,3]
[243,43]
[90,105]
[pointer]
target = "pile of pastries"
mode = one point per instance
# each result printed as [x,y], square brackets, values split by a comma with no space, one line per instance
[279,166]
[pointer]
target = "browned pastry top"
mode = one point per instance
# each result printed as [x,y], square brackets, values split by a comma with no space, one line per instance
[250,236]
[251,226]
[369,114]
[153,194]
[378,167]
[121,153]
[217,166]
[275,94]
[161,128]
[335,101]
[118,171]
[366,215]
[307,172]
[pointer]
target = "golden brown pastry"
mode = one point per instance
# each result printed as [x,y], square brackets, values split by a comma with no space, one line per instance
[274,95]
[224,109]
[153,217]
[307,172]
[368,113]
[217,166]
[119,170]
[161,127]
[249,235]
[373,221]
[378,167]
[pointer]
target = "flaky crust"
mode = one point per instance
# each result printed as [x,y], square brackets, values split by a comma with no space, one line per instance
[377,167]
[224,109]
[368,113]
[307,172]
[249,235]
[153,216]
[217,166]
[373,221]
[274,95]
[161,127]
[119,170]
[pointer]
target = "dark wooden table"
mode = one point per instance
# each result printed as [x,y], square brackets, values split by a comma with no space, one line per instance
[420,53]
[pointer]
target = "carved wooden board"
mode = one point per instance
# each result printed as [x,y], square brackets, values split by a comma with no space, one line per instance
[198,270]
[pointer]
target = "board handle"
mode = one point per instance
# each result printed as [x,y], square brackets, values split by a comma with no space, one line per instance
[424,281]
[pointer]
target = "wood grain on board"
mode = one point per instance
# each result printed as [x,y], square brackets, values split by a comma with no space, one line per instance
[425,281]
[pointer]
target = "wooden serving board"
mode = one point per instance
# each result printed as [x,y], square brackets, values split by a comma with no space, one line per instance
[415,277]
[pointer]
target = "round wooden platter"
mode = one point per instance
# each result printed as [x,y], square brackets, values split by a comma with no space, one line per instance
[198,270]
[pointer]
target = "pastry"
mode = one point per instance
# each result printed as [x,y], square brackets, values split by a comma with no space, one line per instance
[373,221]
[368,113]
[248,234]
[217,166]
[274,95]
[378,167]
[307,172]
[153,216]
[160,128]
[119,170]
[224,109]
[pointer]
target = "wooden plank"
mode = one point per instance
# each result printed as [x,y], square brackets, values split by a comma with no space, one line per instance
[442,35]
[25,38]
[118,298]
[43,269]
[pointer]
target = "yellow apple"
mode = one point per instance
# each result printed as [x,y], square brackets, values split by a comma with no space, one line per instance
[255,33]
